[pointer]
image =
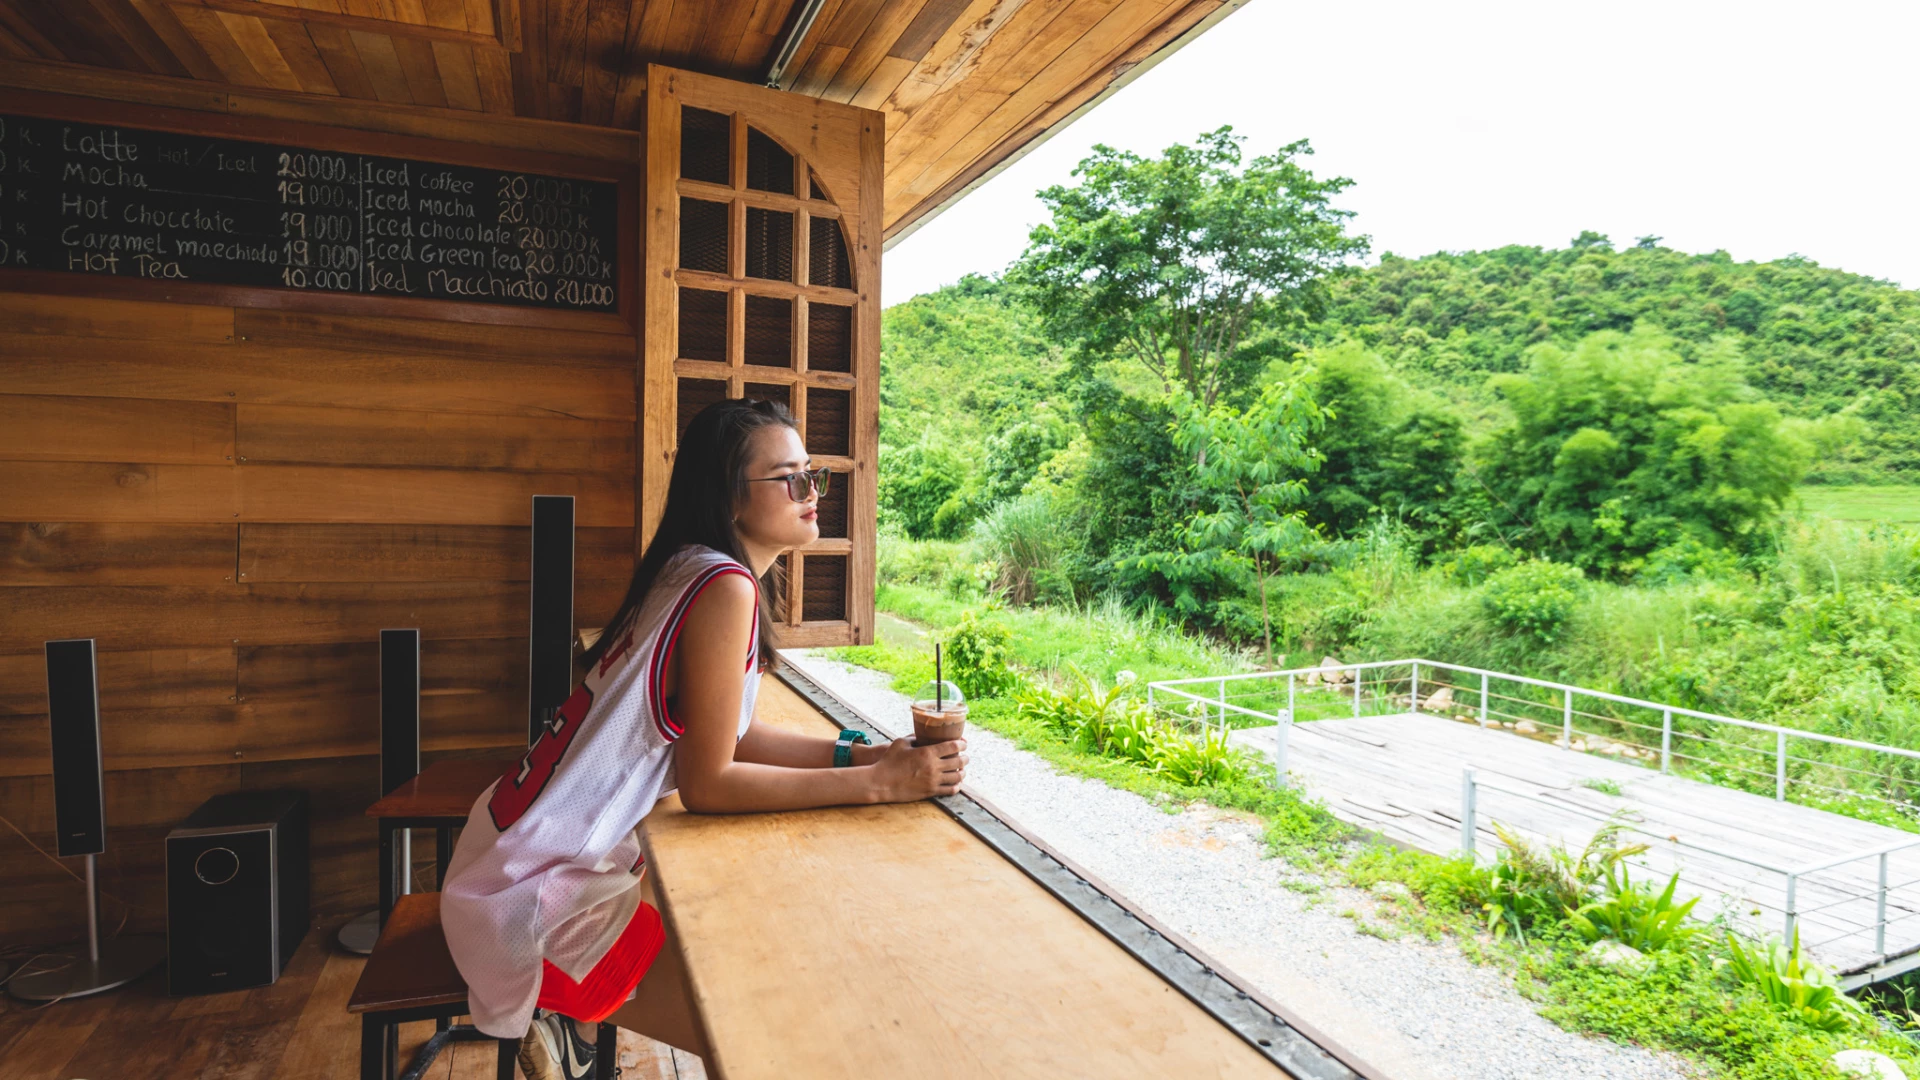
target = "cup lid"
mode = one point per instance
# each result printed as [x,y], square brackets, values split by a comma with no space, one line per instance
[948,696]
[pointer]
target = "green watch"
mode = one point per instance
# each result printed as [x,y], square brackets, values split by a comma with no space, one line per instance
[843,747]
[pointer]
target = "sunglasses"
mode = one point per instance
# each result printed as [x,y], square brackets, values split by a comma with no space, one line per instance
[801,486]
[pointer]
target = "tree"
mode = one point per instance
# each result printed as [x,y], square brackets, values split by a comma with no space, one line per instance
[1386,449]
[1619,448]
[920,490]
[1249,479]
[1189,263]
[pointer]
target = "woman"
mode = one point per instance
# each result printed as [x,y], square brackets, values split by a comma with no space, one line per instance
[543,903]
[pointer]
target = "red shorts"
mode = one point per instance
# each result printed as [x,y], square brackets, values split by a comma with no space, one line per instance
[613,979]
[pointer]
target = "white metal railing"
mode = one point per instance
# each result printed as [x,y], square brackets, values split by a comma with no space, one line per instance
[1842,903]
[1756,754]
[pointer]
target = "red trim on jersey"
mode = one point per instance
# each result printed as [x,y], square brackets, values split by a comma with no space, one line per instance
[664,722]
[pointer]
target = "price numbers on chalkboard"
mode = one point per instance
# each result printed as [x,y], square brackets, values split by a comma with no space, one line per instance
[135,203]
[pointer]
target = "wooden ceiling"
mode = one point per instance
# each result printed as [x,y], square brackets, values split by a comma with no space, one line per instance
[964,83]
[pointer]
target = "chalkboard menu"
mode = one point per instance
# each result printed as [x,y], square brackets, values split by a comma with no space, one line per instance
[150,204]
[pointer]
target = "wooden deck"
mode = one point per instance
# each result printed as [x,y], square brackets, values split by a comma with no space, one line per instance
[296,1029]
[1400,776]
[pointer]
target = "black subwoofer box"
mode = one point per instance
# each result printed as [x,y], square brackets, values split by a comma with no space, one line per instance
[236,891]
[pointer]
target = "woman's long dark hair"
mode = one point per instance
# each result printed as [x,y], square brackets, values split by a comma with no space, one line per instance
[709,481]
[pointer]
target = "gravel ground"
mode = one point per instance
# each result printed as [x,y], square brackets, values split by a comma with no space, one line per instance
[1416,1011]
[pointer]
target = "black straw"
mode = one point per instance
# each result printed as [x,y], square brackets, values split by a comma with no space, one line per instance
[939,683]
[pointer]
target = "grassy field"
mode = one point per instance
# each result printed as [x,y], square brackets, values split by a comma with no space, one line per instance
[1899,503]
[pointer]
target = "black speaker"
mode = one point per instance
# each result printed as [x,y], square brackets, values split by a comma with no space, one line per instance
[399,708]
[73,707]
[80,820]
[236,891]
[550,630]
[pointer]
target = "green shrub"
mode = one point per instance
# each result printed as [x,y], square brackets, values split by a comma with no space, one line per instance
[1686,558]
[1794,984]
[1203,759]
[1473,565]
[1632,915]
[1685,1005]
[1533,598]
[978,656]
[1110,721]
[1534,886]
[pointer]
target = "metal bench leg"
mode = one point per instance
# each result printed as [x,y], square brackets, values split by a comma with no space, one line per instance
[373,1045]
[606,1053]
[442,855]
[387,887]
[503,1065]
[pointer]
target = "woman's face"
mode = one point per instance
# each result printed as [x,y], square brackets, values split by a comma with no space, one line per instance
[770,519]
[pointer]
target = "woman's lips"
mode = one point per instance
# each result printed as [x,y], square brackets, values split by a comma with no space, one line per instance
[809,515]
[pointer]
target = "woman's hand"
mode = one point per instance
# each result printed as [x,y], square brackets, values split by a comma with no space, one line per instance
[904,772]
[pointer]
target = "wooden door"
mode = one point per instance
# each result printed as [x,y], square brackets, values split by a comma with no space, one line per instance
[763,281]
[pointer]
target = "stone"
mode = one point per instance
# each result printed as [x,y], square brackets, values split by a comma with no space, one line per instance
[1391,890]
[1619,958]
[1527,727]
[1579,744]
[1331,671]
[1867,1065]
[1439,701]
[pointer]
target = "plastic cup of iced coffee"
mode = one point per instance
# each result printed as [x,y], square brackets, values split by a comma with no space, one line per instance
[939,714]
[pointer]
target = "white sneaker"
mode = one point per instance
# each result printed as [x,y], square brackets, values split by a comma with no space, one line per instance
[552,1049]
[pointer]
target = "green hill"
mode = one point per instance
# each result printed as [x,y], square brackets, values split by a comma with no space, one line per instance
[1817,341]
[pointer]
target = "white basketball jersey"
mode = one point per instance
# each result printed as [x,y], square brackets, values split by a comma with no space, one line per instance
[548,866]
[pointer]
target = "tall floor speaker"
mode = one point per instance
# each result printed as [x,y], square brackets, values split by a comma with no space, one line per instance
[236,891]
[80,823]
[550,629]
[399,762]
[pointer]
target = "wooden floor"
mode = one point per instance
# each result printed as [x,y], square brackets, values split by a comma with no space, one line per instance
[296,1029]
[1401,777]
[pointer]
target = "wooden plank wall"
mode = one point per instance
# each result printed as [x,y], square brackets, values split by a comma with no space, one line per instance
[234,502]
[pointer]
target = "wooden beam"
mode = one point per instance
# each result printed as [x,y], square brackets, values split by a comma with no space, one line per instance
[259,9]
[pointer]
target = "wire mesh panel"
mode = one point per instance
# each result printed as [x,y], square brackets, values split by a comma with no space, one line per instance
[706,146]
[778,392]
[703,235]
[823,588]
[769,244]
[829,421]
[697,394]
[827,254]
[769,166]
[703,324]
[833,508]
[829,337]
[769,333]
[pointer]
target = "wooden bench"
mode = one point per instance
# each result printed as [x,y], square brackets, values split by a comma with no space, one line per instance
[411,976]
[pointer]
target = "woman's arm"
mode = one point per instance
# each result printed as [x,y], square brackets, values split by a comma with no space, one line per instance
[765,744]
[708,682]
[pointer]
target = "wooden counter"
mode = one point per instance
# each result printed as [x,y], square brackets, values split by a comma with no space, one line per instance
[888,941]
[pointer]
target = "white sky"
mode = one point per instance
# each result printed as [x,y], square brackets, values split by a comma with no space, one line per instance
[1761,127]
